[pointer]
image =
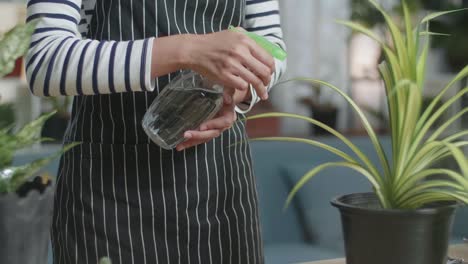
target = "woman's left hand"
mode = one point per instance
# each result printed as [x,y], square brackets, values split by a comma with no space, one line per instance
[213,128]
[210,129]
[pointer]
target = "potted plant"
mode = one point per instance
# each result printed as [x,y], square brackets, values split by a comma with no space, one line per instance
[55,127]
[14,45]
[408,216]
[322,108]
[25,201]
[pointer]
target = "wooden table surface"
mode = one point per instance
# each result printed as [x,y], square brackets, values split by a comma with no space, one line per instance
[458,251]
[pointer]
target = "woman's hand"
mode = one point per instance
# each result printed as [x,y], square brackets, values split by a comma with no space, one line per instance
[231,59]
[212,128]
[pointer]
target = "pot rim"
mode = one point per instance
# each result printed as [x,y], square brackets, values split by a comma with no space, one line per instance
[435,210]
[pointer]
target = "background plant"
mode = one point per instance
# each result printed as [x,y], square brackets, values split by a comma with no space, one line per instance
[13,45]
[13,177]
[60,104]
[407,181]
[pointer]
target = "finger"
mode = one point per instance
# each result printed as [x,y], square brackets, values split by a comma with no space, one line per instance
[221,123]
[236,82]
[227,98]
[197,137]
[202,135]
[189,144]
[251,78]
[262,55]
[259,69]
[229,90]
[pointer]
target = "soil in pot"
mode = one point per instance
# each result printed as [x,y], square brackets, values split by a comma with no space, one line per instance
[373,235]
[25,219]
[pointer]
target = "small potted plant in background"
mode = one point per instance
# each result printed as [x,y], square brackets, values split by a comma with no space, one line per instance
[55,127]
[322,108]
[408,217]
[25,201]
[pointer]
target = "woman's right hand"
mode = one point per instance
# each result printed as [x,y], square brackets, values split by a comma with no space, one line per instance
[231,59]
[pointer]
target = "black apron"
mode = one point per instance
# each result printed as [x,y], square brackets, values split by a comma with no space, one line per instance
[120,195]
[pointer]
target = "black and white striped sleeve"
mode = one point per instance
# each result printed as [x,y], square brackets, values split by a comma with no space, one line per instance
[263,18]
[60,62]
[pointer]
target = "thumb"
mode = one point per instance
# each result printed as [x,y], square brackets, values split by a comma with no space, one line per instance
[228,99]
[228,95]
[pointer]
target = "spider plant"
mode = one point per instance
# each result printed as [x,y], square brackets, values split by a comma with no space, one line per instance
[407,181]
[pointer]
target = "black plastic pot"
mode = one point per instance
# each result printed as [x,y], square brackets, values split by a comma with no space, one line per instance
[374,235]
[25,219]
[328,116]
[55,128]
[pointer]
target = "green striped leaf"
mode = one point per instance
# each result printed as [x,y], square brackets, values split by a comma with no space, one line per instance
[429,110]
[460,158]
[435,15]
[447,123]
[398,41]
[314,143]
[429,33]
[307,177]
[370,131]
[337,134]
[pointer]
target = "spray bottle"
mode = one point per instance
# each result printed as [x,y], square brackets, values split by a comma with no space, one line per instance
[190,100]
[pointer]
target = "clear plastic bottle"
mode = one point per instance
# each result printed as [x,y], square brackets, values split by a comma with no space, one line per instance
[189,100]
[184,104]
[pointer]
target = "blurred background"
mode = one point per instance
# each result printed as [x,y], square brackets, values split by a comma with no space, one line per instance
[317,47]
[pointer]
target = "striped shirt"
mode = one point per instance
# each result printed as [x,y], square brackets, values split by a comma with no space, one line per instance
[60,51]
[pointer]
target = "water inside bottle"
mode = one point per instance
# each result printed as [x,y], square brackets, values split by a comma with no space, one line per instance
[179,110]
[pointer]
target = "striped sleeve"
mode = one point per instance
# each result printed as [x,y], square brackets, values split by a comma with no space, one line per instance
[263,18]
[60,62]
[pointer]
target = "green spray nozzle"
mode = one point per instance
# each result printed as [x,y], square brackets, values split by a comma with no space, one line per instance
[271,48]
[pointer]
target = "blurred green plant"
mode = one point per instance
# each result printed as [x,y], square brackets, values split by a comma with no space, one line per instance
[7,115]
[60,104]
[14,44]
[405,182]
[12,177]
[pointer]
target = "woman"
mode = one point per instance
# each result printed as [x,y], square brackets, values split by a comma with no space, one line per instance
[118,194]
